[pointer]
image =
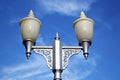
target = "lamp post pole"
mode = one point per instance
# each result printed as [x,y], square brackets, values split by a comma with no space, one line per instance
[57,56]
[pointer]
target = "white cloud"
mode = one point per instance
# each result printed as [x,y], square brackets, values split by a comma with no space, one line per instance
[79,69]
[38,66]
[25,71]
[66,7]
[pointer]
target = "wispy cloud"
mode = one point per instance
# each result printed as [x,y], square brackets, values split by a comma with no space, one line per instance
[66,7]
[25,71]
[80,70]
[37,68]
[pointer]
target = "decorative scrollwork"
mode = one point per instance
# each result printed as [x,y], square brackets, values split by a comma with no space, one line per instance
[47,53]
[66,54]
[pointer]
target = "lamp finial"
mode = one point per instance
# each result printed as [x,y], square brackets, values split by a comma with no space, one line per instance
[57,36]
[82,15]
[31,14]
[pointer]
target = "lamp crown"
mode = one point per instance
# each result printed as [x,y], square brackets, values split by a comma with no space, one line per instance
[31,14]
[82,15]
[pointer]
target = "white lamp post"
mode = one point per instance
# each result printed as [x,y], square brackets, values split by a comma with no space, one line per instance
[57,56]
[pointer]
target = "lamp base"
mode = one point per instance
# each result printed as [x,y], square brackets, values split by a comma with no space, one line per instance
[28,45]
[85,44]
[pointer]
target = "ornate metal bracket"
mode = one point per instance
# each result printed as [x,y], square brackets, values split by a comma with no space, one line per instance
[45,51]
[67,52]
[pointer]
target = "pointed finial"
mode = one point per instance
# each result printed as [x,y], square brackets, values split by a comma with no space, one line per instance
[28,55]
[86,56]
[31,14]
[57,36]
[82,15]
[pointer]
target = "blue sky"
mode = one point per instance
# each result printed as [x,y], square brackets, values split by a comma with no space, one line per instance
[58,16]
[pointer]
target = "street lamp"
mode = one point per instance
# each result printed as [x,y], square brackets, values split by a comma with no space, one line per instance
[57,56]
[29,29]
[84,31]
